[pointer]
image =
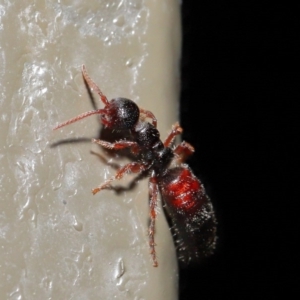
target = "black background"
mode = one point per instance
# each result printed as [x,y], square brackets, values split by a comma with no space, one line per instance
[239,109]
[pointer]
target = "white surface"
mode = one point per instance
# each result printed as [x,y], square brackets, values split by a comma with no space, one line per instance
[57,240]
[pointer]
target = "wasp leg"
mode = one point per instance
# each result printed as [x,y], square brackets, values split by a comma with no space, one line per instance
[129,168]
[183,151]
[150,115]
[153,193]
[176,129]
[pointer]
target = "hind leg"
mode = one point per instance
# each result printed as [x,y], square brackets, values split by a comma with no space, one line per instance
[153,194]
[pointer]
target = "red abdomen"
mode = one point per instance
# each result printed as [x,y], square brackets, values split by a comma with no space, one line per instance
[191,213]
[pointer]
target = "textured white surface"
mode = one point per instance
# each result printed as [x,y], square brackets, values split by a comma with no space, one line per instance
[57,240]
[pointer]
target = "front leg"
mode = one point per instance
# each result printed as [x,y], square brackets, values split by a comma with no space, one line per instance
[148,114]
[153,193]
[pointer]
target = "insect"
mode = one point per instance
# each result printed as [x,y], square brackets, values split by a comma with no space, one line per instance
[184,198]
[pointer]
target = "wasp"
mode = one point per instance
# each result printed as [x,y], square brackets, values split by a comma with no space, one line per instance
[185,201]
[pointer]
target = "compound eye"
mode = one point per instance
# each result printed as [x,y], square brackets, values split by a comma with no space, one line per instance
[120,113]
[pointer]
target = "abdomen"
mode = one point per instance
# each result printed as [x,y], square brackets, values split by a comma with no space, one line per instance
[191,214]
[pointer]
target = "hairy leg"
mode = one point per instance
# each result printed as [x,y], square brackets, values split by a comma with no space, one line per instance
[153,193]
[176,130]
[129,168]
